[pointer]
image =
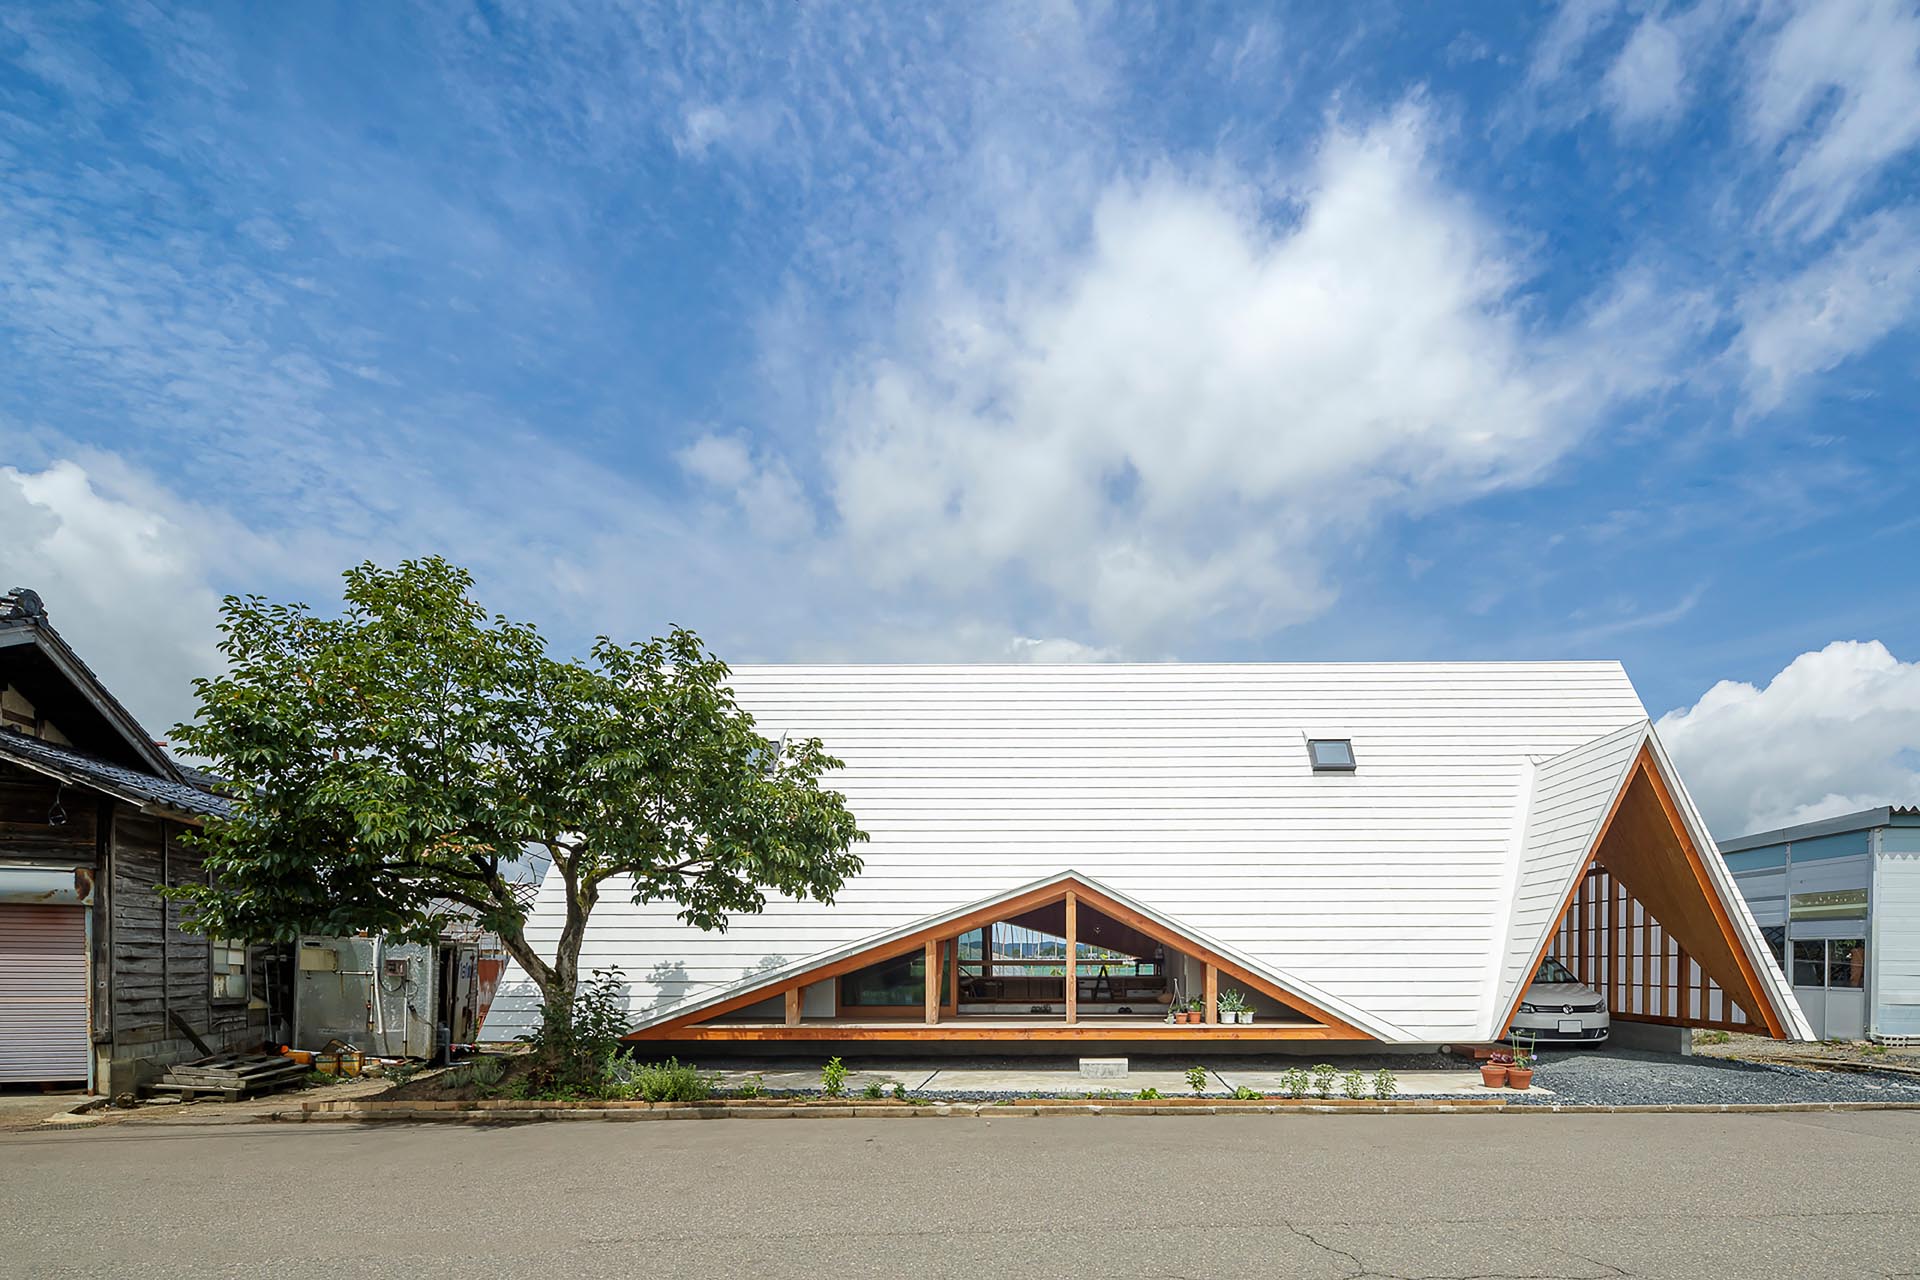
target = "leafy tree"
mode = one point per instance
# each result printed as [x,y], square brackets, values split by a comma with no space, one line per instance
[390,765]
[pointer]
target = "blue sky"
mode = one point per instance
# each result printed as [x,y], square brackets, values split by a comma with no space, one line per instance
[997,332]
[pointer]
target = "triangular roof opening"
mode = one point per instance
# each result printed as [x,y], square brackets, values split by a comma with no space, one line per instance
[1045,905]
[1650,918]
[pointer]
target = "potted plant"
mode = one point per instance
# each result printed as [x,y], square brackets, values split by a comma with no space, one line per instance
[1520,1071]
[1229,1005]
[1196,1010]
[1493,1071]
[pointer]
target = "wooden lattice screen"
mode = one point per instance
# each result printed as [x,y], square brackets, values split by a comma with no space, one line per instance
[1615,946]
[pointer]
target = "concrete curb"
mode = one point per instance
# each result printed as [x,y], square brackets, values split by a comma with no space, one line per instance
[775,1109]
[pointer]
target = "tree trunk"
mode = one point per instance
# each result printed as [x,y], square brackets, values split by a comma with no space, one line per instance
[558,981]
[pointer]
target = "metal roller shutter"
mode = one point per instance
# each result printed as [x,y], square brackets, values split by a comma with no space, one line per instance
[43,993]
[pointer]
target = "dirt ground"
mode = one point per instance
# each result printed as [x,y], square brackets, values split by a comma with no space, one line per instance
[1817,1053]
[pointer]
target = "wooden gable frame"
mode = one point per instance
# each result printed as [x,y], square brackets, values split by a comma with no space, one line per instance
[1323,1025]
[1644,923]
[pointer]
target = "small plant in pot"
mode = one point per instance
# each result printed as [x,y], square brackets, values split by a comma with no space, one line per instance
[1493,1071]
[1196,1010]
[1233,1007]
[1520,1072]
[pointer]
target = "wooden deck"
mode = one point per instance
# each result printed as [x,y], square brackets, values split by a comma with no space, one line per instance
[1037,1027]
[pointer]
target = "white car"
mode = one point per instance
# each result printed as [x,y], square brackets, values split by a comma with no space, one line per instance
[1559,1008]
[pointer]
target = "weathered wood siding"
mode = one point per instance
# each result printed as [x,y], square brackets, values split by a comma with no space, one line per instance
[27,800]
[160,968]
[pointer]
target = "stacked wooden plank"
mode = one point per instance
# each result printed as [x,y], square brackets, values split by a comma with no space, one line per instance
[232,1076]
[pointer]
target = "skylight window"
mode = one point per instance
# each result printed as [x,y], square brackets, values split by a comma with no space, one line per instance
[1331,755]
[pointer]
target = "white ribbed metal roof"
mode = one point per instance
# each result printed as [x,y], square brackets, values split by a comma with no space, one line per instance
[1411,889]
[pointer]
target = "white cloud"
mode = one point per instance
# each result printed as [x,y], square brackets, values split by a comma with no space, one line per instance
[1836,308]
[706,125]
[764,490]
[1167,430]
[1574,26]
[1056,649]
[1646,83]
[122,583]
[1834,732]
[1835,89]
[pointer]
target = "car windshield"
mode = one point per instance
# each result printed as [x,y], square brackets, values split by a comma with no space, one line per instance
[1553,971]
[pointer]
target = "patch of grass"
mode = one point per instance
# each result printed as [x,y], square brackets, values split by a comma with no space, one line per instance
[322,1078]
[751,1087]
[1713,1037]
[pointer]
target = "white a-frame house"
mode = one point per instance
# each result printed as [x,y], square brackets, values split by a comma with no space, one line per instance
[1359,852]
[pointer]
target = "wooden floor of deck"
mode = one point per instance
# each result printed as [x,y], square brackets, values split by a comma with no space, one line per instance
[999,1027]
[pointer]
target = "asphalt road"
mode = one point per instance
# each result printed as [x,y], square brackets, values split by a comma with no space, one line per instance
[1292,1196]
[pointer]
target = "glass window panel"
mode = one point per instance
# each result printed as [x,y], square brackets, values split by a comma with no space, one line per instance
[1810,964]
[1827,904]
[1776,936]
[1846,962]
[1331,753]
[901,981]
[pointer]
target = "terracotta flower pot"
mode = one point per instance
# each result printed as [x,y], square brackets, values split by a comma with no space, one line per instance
[1493,1074]
[1519,1077]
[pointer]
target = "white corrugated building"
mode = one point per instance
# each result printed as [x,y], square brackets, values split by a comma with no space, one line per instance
[1492,813]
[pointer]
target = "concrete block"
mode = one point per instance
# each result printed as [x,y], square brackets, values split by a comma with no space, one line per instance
[1650,1037]
[1103,1068]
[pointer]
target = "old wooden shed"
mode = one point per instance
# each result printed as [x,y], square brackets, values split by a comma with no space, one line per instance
[99,983]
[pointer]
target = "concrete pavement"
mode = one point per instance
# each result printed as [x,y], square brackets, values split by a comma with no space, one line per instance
[1216,1196]
[1046,1078]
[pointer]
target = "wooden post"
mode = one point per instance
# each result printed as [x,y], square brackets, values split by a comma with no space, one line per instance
[793,1006]
[1619,975]
[933,982]
[1212,993]
[1646,959]
[1683,985]
[1073,958]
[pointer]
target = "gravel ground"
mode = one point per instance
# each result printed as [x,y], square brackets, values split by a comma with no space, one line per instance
[1626,1077]
[1617,1077]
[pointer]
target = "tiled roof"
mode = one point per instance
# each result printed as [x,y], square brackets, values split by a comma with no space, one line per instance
[88,770]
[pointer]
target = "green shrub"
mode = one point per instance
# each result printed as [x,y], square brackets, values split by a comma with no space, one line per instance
[1323,1076]
[1354,1084]
[900,1092]
[1293,1083]
[486,1072]
[752,1087]
[1385,1083]
[1147,1094]
[833,1078]
[1197,1079]
[574,1048]
[669,1081]
[874,1091]
[1245,1094]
